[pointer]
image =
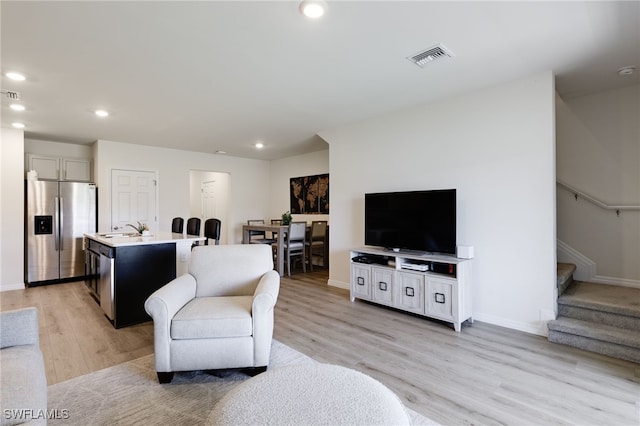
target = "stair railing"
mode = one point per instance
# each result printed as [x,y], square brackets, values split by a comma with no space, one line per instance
[579,194]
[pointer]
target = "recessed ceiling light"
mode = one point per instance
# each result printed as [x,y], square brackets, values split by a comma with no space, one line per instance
[259,145]
[102,113]
[627,70]
[18,125]
[15,76]
[17,107]
[313,8]
[221,152]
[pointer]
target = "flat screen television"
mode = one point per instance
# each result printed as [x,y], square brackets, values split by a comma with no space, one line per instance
[422,221]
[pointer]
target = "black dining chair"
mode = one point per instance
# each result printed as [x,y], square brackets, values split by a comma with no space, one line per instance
[177,225]
[212,231]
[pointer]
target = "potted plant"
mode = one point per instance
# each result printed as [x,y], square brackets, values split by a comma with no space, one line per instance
[142,228]
[286,218]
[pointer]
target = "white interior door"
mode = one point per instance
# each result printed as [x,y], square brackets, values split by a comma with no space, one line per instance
[133,199]
[208,200]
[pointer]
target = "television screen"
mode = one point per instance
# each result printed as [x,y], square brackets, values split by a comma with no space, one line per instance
[415,220]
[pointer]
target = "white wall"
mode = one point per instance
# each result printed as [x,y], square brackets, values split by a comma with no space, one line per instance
[249,181]
[497,147]
[11,209]
[598,153]
[282,170]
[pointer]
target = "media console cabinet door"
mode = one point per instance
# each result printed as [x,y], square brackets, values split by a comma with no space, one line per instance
[361,281]
[411,297]
[383,285]
[439,298]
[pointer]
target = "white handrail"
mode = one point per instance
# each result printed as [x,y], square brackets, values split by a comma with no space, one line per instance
[577,193]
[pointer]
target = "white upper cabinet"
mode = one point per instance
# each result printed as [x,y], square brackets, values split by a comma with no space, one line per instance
[56,168]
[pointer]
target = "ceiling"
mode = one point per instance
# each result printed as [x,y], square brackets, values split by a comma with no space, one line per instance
[209,75]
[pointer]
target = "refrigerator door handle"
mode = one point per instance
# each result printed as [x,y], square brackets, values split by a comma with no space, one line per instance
[61,222]
[56,222]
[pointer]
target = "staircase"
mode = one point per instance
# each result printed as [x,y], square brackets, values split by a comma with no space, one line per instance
[597,317]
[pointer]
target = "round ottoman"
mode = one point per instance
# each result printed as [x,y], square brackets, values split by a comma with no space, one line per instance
[310,394]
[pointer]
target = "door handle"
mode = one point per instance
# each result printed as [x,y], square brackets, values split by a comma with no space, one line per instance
[60,238]
[56,222]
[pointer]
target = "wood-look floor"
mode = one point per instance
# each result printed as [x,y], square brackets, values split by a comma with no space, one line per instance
[485,375]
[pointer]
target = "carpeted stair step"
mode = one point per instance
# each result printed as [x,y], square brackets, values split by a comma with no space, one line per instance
[565,275]
[601,303]
[599,316]
[599,338]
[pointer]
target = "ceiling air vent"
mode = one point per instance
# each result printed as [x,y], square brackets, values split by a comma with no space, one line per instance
[10,94]
[431,54]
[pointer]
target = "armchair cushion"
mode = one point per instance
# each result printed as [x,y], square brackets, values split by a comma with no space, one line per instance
[213,317]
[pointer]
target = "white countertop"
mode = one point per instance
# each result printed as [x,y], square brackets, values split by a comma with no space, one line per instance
[118,239]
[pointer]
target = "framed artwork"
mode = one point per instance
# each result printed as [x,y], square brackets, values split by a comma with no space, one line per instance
[309,194]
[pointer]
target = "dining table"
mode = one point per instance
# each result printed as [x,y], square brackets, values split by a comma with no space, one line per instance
[277,230]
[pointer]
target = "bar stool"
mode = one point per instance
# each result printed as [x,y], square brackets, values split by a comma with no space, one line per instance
[212,231]
[177,225]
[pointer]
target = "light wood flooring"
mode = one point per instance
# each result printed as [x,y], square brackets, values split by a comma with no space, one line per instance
[485,375]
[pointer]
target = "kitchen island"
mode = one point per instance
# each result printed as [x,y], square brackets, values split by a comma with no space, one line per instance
[123,270]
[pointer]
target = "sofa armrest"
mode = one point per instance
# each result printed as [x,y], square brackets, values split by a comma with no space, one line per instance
[19,327]
[162,305]
[264,300]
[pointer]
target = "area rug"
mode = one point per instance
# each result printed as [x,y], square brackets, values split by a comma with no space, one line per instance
[129,394]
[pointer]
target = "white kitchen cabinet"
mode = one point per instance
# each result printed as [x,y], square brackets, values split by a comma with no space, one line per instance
[60,168]
[436,286]
[47,167]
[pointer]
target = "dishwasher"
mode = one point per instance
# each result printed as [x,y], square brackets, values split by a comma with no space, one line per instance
[102,259]
[106,280]
[92,268]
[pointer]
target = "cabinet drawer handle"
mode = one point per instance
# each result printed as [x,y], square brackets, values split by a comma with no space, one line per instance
[382,285]
[439,297]
[360,281]
[409,291]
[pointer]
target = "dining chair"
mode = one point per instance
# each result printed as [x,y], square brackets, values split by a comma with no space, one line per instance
[261,235]
[274,235]
[316,242]
[212,229]
[177,225]
[294,244]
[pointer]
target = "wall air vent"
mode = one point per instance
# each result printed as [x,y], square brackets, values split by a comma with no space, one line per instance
[431,54]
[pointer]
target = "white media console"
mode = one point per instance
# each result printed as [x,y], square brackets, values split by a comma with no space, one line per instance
[436,286]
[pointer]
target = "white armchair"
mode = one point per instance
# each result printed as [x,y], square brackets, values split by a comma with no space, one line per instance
[219,314]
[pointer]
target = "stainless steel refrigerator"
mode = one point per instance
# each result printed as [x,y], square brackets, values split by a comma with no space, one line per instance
[58,214]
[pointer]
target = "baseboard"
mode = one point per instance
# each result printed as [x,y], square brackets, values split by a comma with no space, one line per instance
[538,328]
[623,282]
[10,287]
[585,267]
[339,284]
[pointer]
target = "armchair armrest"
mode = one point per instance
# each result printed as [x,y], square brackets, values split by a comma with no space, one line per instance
[19,327]
[264,300]
[162,305]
